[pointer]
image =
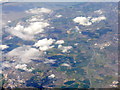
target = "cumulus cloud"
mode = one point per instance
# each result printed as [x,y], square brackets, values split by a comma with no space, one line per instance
[24,54]
[98,11]
[38,10]
[98,19]
[44,44]
[50,61]
[86,21]
[82,20]
[33,19]
[27,33]
[23,67]
[35,24]
[3,47]
[6,64]
[36,18]
[65,64]
[58,16]
[35,28]
[60,46]
[51,76]
[59,42]
[64,48]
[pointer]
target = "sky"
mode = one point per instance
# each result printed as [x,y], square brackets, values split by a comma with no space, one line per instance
[61,0]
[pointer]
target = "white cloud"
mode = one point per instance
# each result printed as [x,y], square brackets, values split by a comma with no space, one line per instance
[86,21]
[27,33]
[51,76]
[44,44]
[35,28]
[50,61]
[3,47]
[9,21]
[6,64]
[64,48]
[38,10]
[36,18]
[58,16]
[82,20]
[23,67]
[59,46]
[24,54]
[98,11]
[33,19]
[44,48]
[65,64]
[98,19]
[59,42]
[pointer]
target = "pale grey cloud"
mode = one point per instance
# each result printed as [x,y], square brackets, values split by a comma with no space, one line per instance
[24,54]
